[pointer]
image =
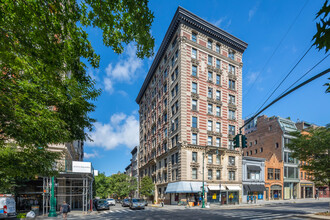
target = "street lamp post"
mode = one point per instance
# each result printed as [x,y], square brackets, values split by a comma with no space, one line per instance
[203,201]
[52,211]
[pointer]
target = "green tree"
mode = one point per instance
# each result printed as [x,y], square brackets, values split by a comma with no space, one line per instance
[322,37]
[313,147]
[46,94]
[147,187]
[122,185]
[102,186]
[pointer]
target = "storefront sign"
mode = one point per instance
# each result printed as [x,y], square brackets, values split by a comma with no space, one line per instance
[306,184]
[81,167]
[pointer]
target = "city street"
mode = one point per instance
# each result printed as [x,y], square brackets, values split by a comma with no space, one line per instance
[273,211]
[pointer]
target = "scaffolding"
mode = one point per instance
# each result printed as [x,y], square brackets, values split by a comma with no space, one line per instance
[74,188]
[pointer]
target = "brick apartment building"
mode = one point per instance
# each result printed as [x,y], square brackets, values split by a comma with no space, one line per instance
[274,178]
[190,105]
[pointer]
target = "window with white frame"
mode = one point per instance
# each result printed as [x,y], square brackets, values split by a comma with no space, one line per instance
[194,87]
[210,93]
[217,48]
[218,63]
[209,60]
[218,159]
[194,71]
[194,156]
[218,79]
[232,99]
[231,175]
[217,142]
[231,69]
[232,115]
[231,54]
[194,122]
[231,84]
[209,125]
[194,173]
[210,158]
[231,145]
[217,127]
[218,111]
[209,44]
[231,161]
[218,174]
[231,130]
[217,95]
[194,53]
[210,109]
[194,36]
[209,174]
[194,105]
[209,140]
[194,138]
[210,76]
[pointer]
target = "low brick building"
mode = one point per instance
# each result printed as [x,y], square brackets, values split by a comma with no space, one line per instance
[274,178]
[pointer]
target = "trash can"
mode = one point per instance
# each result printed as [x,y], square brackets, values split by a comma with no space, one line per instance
[35,209]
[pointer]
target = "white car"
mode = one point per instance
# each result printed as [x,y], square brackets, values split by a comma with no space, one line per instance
[7,206]
[111,202]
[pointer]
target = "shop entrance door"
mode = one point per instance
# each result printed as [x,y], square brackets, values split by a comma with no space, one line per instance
[302,193]
[223,198]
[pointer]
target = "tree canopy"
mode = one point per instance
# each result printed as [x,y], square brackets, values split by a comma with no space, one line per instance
[46,94]
[147,187]
[313,149]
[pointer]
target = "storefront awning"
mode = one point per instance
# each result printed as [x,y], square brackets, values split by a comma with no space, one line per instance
[276,187]
[253,167]
[257,188]
[233,188]
[185,187]
[216,187]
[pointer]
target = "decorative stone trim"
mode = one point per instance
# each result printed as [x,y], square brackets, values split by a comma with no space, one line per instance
[195,130]
[232,106]
[194,164]
[232,76]
[194,61]
[194,95]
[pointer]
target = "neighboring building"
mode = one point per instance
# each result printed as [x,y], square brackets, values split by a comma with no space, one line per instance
[271,136]
[190,105]
[128,170]
[253,178]
[274,178]
[134,161]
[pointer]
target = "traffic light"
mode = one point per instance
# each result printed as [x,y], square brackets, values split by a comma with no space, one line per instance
[236,141]
[244,141]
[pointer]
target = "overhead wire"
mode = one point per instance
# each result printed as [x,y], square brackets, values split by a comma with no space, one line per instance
[279,44]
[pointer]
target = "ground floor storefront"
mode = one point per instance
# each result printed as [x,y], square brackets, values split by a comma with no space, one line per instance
[253,193]
[306,190]
[224,194]
[322,192]
[291,190]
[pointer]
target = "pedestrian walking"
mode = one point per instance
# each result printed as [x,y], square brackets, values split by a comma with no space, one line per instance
[65,208]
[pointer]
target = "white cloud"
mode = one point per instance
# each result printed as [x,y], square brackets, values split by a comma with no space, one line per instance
[253,10]
[91,155]
[252,77]
[122,129]
[125,70]
[223,22]
[218,22]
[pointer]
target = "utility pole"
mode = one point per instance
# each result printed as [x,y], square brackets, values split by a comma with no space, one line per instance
[52,211]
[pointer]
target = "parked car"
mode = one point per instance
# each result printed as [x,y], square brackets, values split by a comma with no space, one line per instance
[111,202]
[137,204]
[101,204]
[7,206]
[145,202]
[125,203]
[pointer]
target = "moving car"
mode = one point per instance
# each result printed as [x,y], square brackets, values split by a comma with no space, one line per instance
[125,203]
[101,204]
[111,202]
[137,204]
[7,206]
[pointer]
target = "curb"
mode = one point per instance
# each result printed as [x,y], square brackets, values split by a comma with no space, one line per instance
[313,216]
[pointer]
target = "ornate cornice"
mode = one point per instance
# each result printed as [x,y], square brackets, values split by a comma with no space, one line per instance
[182,16]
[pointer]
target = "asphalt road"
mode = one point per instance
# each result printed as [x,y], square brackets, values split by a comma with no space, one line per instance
[274,211]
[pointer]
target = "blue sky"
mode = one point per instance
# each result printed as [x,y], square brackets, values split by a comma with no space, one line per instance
[278,33]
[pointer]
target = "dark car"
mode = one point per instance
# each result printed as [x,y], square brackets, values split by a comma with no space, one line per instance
[101,204]
[125,203]
[137,204]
